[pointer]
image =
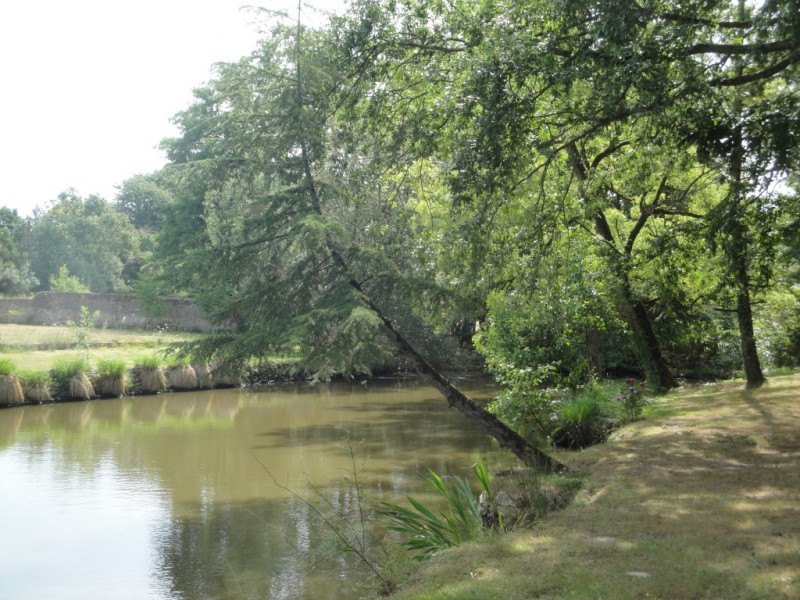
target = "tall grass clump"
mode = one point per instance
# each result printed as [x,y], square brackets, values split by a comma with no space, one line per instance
[111,378]
[227,375]
[584,417]
[150,375]
[181,376]
[36,386]
[71,380]
[10,388]
[204,377]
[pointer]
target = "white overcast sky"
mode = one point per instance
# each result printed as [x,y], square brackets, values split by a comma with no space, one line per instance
[89,86]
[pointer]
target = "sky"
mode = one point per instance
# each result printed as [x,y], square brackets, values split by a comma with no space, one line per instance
[89,86]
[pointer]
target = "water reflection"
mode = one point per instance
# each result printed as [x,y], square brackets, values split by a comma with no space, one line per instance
[169,493]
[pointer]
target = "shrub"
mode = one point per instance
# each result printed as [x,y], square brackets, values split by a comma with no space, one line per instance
[631,399]
[111,378]
[204,377]
[227,375]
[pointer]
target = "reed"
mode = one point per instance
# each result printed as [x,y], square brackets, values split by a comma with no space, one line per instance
[10,388]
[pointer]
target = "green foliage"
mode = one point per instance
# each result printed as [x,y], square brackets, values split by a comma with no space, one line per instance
[64,370]
[64,282]
[7,367]
[98,244]
[148,362]
[428,532]
[111,368]
[584,417]
[631,398]
[83,329]
[15,275]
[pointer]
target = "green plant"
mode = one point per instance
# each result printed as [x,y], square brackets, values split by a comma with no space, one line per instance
[582,418]
[36,385]
[64,282]
[459,522]
[111,377]
[631,399]
[83,329]
[7,367]
[70,378]
[150,375]
[10,388]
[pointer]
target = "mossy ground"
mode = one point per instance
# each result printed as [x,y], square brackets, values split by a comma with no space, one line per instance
[700,499]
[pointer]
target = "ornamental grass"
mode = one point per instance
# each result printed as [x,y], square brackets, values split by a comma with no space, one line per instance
[36,386]
[111,378]
[149,375]
[70,379]
[182,377]
[204,377]
[10,388]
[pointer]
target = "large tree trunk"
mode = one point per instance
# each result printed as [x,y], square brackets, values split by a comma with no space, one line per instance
[648,349]
[744,314]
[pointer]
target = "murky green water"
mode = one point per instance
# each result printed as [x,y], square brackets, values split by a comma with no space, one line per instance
[168,497]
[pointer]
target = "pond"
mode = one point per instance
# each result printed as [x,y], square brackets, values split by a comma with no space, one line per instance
[171,497]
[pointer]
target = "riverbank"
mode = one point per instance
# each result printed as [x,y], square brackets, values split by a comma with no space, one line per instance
[698,500]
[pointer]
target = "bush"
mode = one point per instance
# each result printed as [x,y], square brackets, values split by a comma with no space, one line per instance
[182,376]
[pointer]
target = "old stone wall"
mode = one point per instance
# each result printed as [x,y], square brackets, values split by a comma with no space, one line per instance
[116,311]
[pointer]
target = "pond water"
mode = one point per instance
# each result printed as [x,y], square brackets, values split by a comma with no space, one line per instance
[170,496]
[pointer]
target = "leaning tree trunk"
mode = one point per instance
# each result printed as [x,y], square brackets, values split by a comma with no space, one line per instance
[505,436]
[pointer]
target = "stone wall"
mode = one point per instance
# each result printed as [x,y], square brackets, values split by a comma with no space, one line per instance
[118,311]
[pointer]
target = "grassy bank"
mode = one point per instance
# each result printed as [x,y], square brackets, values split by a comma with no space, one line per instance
[698,500]
[40,347]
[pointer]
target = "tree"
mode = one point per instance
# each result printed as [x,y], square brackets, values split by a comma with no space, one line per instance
[144,201]
[291,256]
[96,243]
[15,275]
[516,85]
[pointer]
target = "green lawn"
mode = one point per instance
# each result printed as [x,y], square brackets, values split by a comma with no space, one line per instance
[697,500]
[38,347]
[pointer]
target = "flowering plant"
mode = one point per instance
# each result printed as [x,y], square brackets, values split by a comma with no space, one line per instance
[631,399]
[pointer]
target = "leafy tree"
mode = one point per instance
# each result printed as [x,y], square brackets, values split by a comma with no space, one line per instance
[15,275]
[518,85]
[144,201]
[64,282]
[96,243]
[302,246]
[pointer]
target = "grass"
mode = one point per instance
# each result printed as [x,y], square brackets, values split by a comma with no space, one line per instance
[697,500]
[39,347]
